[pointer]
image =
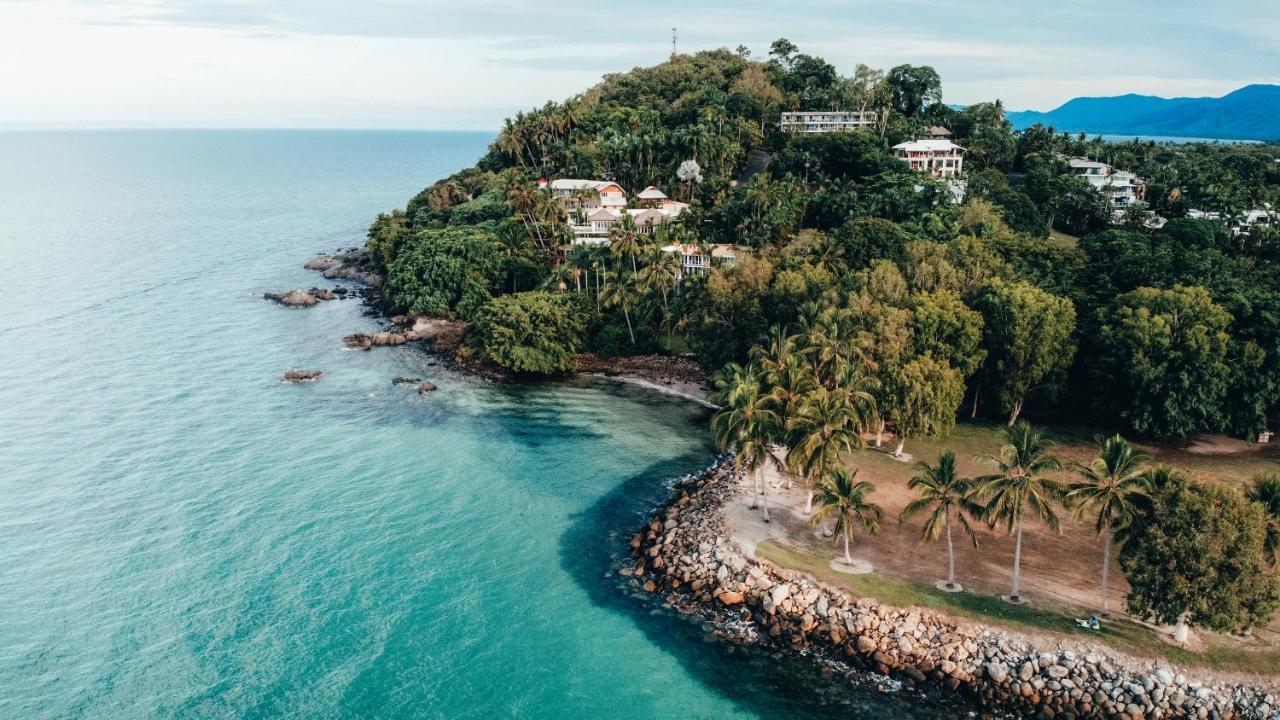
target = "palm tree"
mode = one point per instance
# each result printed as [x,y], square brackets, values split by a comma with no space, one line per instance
[824,427]
[660,276]
[1266,490]
[946,496]
[1019,486]
[745,423]
[621,293]
[624,239]
[843,497]
[1113,490]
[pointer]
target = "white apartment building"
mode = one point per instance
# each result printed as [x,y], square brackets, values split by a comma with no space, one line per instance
[1121,188]
[808,123]
[939,158]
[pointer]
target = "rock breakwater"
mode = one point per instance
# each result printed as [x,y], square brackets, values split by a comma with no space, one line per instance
[684,553]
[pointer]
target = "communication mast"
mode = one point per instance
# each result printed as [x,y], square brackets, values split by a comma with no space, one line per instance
[673,42]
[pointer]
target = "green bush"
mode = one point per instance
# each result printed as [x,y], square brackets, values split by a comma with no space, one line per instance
[531,332]
[444,272]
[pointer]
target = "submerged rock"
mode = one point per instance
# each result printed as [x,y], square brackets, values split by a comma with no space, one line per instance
[405,381]
[425,388]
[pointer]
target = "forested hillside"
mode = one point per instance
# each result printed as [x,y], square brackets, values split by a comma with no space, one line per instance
[1024,296]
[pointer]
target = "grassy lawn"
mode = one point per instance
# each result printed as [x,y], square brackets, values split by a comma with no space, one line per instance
[1062,239]
[674,344]
[1074,444]
[1123,635]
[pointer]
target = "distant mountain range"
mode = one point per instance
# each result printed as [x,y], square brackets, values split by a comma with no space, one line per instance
[1250,113]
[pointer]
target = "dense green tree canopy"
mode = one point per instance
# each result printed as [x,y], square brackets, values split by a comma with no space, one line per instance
[1162,360]
[531,332]
[442,272]
[1027,334]
[1199,558]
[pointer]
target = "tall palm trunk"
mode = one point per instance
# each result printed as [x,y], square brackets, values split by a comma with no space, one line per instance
[1106,568]
[753,475]
[951,558]
[764,496]
[977,391]
[630,332]
[848,559]
[1183,629]
[1017,563]
[880,433]
[898,451]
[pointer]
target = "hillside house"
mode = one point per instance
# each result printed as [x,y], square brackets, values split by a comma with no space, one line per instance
[939,158]
[593,207]
[694,259]
[1122,189]
[589,194]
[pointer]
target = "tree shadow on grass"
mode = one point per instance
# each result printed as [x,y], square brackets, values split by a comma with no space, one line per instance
[762,682]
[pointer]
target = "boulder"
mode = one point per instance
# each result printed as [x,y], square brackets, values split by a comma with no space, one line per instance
[293,298]
[425,388]
[323,294]
[359,341]
[301,376]
[405,380]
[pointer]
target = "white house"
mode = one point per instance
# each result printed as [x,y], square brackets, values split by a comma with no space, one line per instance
[1121,188]
[694,260]
[809,123]
[1243,223]
[938,157]
[594,206]
[590,194]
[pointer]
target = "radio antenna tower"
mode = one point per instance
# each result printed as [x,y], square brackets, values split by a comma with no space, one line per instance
[673,42]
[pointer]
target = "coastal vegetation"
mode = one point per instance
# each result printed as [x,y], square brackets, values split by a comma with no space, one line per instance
[867,301]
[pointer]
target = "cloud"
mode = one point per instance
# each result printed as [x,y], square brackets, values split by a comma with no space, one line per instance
[410,63]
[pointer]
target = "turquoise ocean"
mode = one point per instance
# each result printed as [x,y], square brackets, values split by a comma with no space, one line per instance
[184,536]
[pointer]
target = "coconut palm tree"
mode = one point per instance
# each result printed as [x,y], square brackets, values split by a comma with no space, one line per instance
[1019,486]
[843,497]
[624,239]
[1113,492]
[823,429]
[621,293]
[745,423]
[1266,491]
[660,276]
[945,496]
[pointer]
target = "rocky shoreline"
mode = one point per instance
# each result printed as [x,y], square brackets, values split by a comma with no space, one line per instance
[683,553]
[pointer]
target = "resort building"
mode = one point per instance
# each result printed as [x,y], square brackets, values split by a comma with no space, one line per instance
[1244,223]
[1122,189]
[592,207]
[937,132]
[939,158]
[694,259]
[808,123]
[589,194]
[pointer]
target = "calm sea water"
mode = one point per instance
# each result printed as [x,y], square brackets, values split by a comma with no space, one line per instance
[182,535]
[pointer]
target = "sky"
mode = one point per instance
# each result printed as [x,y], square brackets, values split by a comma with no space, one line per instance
[467,64]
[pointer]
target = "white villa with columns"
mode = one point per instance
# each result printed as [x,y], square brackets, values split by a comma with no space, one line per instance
[940,158]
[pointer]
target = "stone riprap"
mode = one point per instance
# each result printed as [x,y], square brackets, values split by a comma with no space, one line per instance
[684,553]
